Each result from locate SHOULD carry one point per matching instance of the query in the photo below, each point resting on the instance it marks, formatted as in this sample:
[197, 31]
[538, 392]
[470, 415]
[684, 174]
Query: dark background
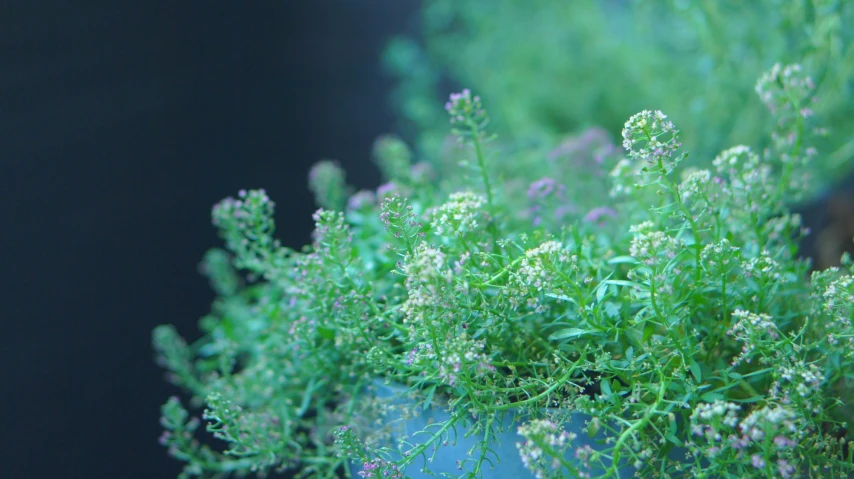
[122, 123]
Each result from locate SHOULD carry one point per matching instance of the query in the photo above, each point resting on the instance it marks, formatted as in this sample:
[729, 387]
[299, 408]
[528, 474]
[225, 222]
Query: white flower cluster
[749, 329]
[458, 216]
[719, 425]
[425, 274]
[719, 257]
[749, 182]
[728, 161]
[782, 85]
[462, 355]
[768, 419]
[694, 183]
[763, 268]
[838, 299]
[623, 177]
[705, 412]
[542, 432]
[538, 270]
[650, 137]
[711, 420]
[804, 379]
[648, 244]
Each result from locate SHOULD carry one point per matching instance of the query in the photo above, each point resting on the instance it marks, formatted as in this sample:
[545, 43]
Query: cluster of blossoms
[649, 137]
[326, 180]
[349, 444]
[720, 258]
[247, 226]
[538, 270]
[459, 216]
[751, 330]
[393, 157]
[724, 434]
[380, 469]
[428, 278]
[783, 87]
[749, 186]
[539, 434]
[547, 194]
[545, 188]
[362, 200]
[400, 219]
[623, 177]
[694, 184]
[837, 298]
[763, 268]
[596, 215]
[465, 109]
[804, 380]
[650, 245]
[458, 355]
[426, 274]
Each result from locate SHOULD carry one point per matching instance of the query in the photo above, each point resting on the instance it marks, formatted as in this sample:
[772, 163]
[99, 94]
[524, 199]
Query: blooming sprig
[459, 216]
[651, 138]
[752, 331]
[393, 157]
[762, 442]
[326, 180]
[402, 222]
[466, 110]
[786, 88]
[539, 270]
[246, 224]
[543, 435]
[650, 245]
[427, 274]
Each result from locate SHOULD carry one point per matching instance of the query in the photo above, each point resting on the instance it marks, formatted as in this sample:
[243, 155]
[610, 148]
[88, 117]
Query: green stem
[560, 382]
[481, 161]
[637, 425]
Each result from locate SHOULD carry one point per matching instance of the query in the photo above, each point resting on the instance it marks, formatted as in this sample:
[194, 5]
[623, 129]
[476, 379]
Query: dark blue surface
[122, 123]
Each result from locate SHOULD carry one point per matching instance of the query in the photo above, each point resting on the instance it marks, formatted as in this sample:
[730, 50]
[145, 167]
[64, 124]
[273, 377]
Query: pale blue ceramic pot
[445, 460]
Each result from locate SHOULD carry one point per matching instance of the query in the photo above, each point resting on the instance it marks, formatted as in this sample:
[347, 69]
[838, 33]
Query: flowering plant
[668, 305]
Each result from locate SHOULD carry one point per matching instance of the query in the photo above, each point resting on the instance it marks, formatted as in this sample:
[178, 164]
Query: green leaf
[606, 387]
[306, 398]
[622, 259]
[750, 399]
[696, 370]
[630, 353]
[622, 282]
[612, 310]
[561, 297]
[670, 437]
[600, 292]
[711, 397]
[648, 329]
[428, 396]
[326, 333]
[570, 333]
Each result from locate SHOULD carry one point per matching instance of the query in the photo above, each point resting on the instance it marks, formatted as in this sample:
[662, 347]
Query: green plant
[667, 303]
[549, 68]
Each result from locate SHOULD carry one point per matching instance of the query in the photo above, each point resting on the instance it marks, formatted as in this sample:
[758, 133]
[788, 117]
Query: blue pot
[503, 445]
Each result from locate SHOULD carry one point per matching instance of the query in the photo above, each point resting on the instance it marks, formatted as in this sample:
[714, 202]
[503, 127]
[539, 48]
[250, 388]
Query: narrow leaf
[696, 370]
[606, 387]
[622, 259]
[569, 333]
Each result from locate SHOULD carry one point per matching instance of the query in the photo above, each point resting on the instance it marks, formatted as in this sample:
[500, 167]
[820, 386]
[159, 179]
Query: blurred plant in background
[550, 67]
